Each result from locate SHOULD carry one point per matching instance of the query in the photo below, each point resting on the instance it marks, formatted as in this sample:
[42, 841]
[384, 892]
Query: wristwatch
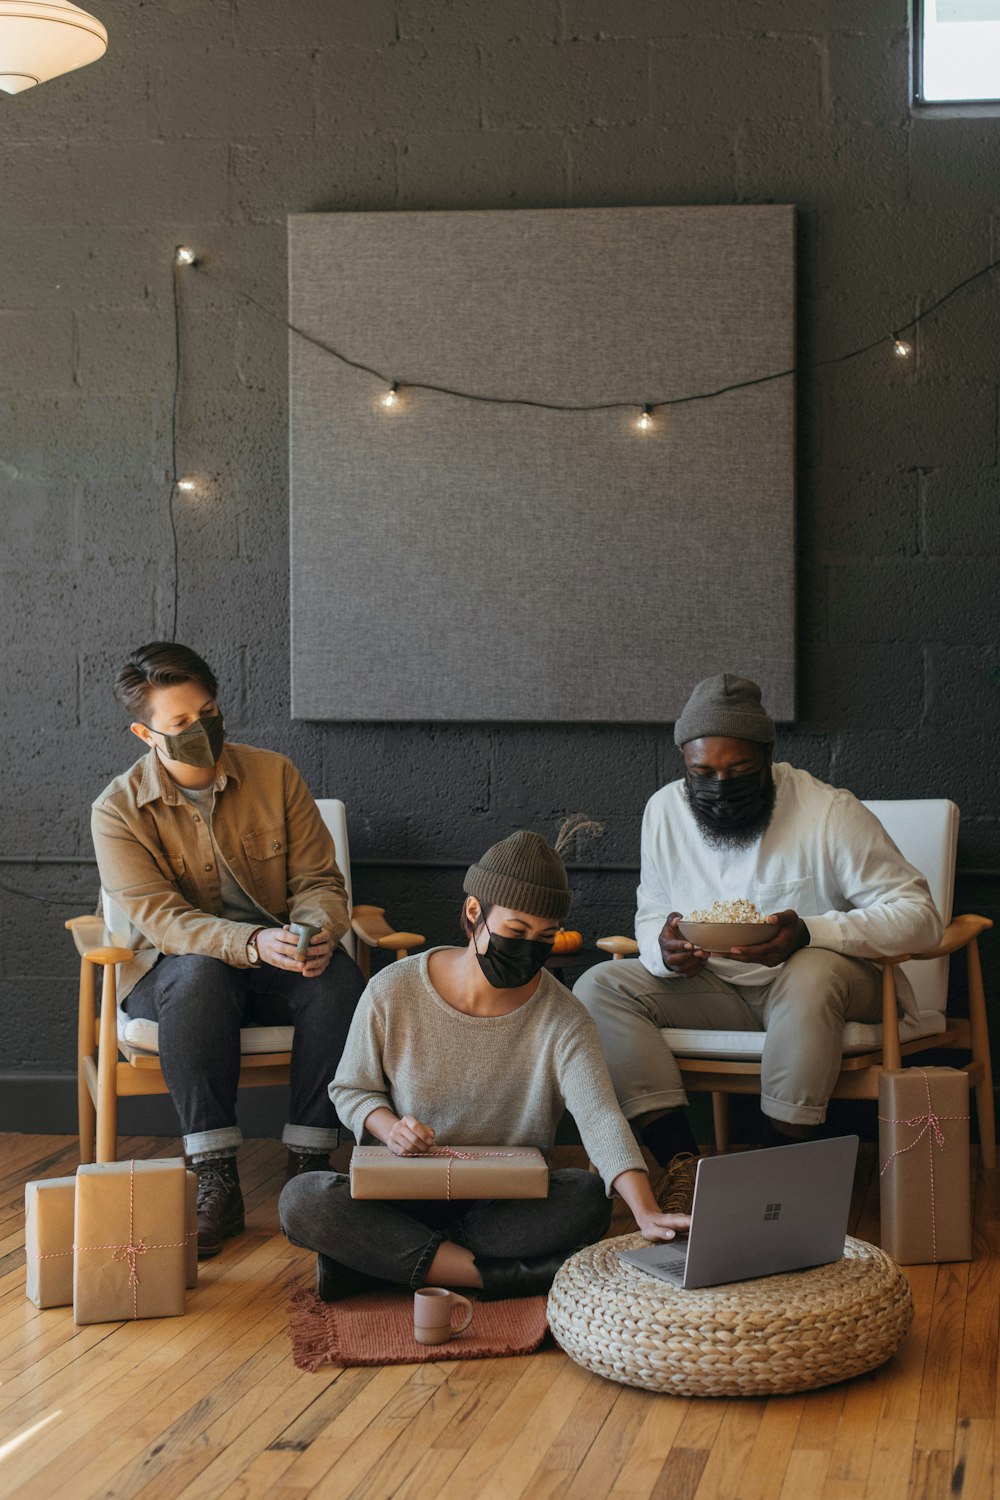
[252, 953]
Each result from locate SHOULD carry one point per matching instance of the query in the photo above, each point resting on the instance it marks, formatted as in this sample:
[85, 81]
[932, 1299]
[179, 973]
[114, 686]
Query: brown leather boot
[220, 1204]
[676, 1193]
[305, 1161]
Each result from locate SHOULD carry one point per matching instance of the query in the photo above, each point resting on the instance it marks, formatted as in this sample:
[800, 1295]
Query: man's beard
[734, 835]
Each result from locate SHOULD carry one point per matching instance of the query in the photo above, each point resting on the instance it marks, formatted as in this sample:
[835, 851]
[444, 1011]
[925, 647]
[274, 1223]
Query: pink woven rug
[377, 1329]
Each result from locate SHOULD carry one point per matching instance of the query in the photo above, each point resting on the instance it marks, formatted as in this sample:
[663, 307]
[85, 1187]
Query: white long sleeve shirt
[823, 855]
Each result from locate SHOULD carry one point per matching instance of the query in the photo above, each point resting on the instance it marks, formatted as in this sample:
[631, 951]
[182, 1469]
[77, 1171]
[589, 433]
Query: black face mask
[727, 802]
[510, 962]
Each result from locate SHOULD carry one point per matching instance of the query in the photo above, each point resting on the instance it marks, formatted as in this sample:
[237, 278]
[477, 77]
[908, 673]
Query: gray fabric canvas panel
[452, 560]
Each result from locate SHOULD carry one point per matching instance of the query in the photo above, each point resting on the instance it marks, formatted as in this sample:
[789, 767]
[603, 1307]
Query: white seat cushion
[748, 1045]
[143, 1036]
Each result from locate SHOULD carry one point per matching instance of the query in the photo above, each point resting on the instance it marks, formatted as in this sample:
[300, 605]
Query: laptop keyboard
[674, 1273]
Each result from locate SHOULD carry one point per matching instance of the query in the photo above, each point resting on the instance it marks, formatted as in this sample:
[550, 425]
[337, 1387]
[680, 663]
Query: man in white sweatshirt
[835, 888]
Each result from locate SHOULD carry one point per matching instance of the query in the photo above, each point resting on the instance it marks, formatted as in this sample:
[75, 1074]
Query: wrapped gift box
[130, 1240]
[191, 1229]
[460, 1172]
[926, 1199]
[48, 1241]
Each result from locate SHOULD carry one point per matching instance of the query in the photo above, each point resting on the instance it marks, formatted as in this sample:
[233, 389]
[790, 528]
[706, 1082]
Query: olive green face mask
[200, 744]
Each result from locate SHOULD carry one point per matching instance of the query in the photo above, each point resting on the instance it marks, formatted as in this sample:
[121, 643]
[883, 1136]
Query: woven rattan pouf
[791, 1332]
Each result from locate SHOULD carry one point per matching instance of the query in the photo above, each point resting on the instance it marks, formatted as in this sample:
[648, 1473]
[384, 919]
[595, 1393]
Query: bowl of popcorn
[725, 925]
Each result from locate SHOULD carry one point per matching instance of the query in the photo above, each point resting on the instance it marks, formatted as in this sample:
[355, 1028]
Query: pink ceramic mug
[432, 1310]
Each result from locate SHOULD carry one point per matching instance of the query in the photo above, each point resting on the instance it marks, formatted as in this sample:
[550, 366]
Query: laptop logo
[772, 1211]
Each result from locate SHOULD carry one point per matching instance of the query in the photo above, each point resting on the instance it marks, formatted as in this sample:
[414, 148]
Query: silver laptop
[759, 1212]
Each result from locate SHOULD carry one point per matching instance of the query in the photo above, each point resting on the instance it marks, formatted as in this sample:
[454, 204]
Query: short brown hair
[160, 664]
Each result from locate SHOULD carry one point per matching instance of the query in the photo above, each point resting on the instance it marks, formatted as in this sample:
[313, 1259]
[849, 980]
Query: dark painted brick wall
[207, 124]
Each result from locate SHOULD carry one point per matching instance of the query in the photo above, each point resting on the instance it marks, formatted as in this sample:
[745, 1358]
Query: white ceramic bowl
[719, 937]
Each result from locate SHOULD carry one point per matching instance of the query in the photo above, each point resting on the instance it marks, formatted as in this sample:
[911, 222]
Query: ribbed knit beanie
[728, 706]
[523, 873]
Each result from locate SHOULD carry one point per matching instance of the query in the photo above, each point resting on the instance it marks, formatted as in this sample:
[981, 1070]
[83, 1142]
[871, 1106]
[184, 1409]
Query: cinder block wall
[207, 124]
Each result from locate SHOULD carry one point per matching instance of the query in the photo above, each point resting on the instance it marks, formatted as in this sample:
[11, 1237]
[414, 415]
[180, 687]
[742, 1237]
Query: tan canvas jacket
[157, 864]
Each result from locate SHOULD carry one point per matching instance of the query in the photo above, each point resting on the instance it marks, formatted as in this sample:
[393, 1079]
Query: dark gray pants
[397, 1241]
[200, 1005]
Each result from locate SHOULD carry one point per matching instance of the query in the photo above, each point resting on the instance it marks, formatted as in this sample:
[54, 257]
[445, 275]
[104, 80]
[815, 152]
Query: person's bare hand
[663, 1226]
[790, 934]
[409, 1138]
[276, 946]
[680, 956]
[319, 955]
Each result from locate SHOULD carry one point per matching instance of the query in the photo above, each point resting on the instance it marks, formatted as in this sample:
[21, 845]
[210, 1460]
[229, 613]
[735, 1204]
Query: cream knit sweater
[481, 1080]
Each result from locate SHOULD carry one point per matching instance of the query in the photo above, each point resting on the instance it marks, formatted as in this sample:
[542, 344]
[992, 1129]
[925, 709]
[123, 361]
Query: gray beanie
[728, 706]
[523, 873]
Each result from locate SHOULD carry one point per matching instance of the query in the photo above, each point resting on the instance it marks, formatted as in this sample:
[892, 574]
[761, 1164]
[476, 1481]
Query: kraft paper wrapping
[130, 1239]
[924, 1158]
[460, 1172]
[191, 1229]
[48, 1241]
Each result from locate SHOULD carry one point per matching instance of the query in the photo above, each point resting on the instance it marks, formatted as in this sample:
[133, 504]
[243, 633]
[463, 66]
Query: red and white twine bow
[930, 1126]
[453, 1154]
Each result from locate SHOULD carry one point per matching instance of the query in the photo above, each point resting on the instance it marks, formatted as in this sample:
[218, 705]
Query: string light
[901, 349]
[187, 485]
[185, 256]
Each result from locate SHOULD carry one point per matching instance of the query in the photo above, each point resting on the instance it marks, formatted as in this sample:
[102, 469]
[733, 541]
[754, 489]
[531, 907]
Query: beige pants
[802, 1010]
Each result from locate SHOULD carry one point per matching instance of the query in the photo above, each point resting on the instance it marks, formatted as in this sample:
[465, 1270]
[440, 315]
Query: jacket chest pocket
[266, 850]
[265, 844]
[174, 866]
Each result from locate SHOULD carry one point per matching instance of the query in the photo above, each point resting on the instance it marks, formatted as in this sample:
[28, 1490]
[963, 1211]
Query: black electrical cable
[173, 447]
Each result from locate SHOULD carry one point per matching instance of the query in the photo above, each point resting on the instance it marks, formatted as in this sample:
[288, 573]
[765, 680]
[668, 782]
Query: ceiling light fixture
[40, 39]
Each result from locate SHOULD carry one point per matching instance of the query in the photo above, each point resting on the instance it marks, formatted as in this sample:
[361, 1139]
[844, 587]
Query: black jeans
[200, 1005]
[398, 1241]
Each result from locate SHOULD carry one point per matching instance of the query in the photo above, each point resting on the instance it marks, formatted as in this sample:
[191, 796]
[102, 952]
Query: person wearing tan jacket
[209, 850]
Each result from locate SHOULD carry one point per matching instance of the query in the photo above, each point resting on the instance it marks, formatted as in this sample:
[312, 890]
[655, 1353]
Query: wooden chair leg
[86, 1113]
[107, 1071]
[980, 1037]
[720, 1121]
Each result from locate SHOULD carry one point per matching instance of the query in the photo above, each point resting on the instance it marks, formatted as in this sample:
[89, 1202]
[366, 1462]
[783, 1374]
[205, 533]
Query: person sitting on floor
[475, 1046]
[838, 892]
[210, 849]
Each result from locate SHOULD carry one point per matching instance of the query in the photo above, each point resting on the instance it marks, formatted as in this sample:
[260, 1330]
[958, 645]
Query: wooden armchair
[723, 1063]
[117, 1054]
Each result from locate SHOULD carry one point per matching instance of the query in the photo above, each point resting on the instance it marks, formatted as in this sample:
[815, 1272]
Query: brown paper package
[925, 1183]
[48, 1241]
[488, 1172]
[191, 1229]
[141, 1204]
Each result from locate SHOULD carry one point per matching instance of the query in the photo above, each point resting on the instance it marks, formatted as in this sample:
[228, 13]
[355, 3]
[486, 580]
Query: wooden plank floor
[210, 1405]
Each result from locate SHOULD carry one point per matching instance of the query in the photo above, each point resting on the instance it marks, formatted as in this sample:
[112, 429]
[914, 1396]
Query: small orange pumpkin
[567, 942]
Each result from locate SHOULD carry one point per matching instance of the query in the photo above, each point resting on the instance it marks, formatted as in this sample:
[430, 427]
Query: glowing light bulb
[185, 256]
[391, 397]
[645, 422]
[901, 348]
[187, 485]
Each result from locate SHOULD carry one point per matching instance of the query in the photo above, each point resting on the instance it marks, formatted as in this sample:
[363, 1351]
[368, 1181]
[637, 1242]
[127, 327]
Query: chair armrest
[620, 947]
[95, 943]
[959, 932]
[369, 924]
